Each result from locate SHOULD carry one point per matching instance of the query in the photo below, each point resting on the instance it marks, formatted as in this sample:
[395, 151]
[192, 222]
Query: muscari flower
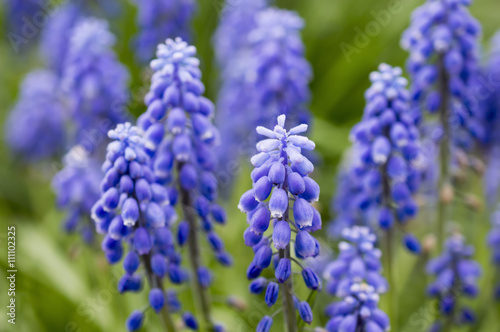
[54, 43]
[357, 311]
[95, 82]
[384, 172]
[456, 275]
[180, 137]
[282, 188]
[236, 102]
[136, 212]
[35, 128]
[358, 261]
[77, 189]
[266, 75]
[443, 44]
[158, 20]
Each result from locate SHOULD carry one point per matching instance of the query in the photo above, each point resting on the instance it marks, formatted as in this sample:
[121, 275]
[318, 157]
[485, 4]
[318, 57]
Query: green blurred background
[63, 285]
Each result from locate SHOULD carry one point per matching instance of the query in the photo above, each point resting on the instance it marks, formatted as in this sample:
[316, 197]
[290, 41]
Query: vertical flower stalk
[442, 41]
[456, 277]
[134, 211]
[158, 20]
[180, 138]
[281, 184]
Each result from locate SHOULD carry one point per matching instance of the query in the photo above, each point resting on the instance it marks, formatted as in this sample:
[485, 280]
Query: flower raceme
[456, 277]
[443, 44]
[180, 138]
[282, 189]
[136, 212]
[94, 80]
[386, 152]
[355, 277]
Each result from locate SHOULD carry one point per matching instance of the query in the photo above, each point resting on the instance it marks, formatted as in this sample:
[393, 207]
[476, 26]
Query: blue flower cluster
[157, 20]
[21, 17]
[54, 43]
[443, 44]
[281, 183]
[282, 73]
[77, 190]
[264, 75]
[456, 277]
[236, 105]
[134, 211]
[95, 82]
[494, 244]
[385, 170]
[180, 136]
[357, 311]
[358, 261]
[35, 128]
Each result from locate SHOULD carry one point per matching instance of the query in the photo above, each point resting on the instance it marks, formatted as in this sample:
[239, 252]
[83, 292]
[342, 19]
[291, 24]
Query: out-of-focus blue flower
[35, 129]
[443, 44]
[236, 102]
[134, 211]
[382, 174]
[456, 277]
[358, 261]
[77, 189]
[95, 82]
[54, 44]
[265, 74]
[281, 188]
[357, 311]
[159, 20]
[22, 21]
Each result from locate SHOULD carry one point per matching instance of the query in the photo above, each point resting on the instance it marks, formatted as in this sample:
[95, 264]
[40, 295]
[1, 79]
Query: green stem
[287, 293]
[195, 257]
[444, 150]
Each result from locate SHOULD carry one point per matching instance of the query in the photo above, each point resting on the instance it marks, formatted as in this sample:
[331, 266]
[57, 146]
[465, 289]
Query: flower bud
[156, 299]
[260, 220]
[263, 257]
[262, 189]
[305, 312]
[278, 204]
[272, 292]
[306, 245]
[296, 183]
[258, 285]
[281, 234]
[303, 212]
[283, 270]
[265, 324]
[277, 173]
[142, 242]
[135, 320]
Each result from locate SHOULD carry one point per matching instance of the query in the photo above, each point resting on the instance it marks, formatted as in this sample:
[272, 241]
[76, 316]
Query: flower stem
[195, 257]
[444, 151]
[287, 291]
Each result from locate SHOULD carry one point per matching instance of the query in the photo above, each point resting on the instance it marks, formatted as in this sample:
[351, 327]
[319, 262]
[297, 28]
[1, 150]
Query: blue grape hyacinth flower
[180, 138]
[135, 213]
[443, 44]
[357, 311]
[280, 205]
[158, 20]
[77, 189]
[358, 261]
[95, 82]
[35, 128]
[264, 75]
[456, 275]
